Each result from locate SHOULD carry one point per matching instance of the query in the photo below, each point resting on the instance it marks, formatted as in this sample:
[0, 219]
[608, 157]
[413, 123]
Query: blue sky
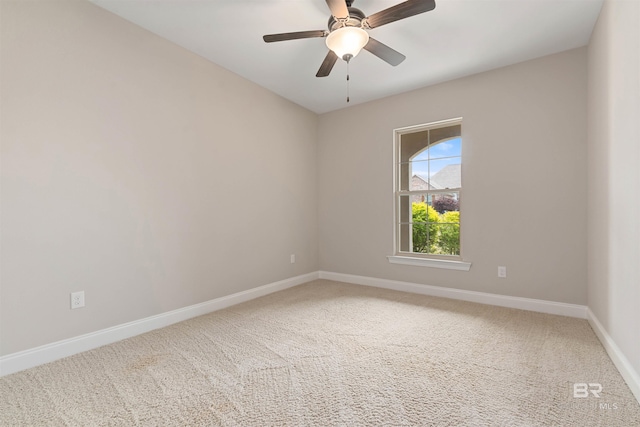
[435, 158]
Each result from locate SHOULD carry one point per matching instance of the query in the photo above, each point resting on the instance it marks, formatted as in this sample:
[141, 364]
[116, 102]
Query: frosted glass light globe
[347, 41]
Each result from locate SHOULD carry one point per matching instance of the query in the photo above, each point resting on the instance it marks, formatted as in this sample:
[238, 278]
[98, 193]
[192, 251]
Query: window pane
[423, 237]
[424, 232]
[445, 173]
[419, 166]
[447, 148]
[423, 229]
[419, 181]
[421, 156]
[448, 238]
[418, 198]
[446, 202]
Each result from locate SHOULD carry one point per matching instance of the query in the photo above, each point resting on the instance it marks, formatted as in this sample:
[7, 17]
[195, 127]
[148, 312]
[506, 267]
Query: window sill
[430, 262]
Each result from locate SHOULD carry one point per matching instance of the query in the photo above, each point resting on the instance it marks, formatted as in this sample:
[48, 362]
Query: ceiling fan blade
[327, 64]
[270, 38]
[384, 52]
[338, 8]
[400, 11]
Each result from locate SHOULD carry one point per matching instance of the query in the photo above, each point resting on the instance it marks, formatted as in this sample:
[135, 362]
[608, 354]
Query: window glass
[428, 193]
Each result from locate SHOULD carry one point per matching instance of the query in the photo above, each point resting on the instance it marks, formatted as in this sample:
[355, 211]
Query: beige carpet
[332, 354]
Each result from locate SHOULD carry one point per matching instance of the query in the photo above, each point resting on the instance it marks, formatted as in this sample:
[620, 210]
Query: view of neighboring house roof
[447, 177]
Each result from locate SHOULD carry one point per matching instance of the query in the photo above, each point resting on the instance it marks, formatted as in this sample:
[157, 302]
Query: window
[428, 188]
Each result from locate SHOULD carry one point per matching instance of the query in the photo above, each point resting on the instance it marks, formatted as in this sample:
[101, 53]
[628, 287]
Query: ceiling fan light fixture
[347, 42]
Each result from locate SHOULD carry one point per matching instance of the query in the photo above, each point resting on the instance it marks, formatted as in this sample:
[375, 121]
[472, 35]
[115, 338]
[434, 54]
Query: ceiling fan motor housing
[354, 20]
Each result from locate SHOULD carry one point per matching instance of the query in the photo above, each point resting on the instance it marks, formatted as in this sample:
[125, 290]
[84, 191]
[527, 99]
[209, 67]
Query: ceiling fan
[347, 33]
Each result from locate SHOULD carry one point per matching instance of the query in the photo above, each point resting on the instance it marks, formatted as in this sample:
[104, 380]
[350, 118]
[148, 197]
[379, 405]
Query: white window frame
[452, 262]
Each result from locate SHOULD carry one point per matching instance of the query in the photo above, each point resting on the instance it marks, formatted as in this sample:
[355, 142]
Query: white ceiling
[458, 38]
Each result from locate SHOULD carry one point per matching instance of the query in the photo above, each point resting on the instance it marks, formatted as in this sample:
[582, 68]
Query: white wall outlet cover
[502, 272]
[77, 299]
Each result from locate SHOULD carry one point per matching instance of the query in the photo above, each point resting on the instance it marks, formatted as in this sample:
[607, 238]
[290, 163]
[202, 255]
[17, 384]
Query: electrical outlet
[502, 272]
[293, 258]
[77, 299]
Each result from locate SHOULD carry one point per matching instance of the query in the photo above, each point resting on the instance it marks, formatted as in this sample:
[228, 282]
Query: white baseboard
[542, 306]
[48, 353]
[629, 374]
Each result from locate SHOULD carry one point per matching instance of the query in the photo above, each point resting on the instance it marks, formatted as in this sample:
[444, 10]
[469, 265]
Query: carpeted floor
[333, 354]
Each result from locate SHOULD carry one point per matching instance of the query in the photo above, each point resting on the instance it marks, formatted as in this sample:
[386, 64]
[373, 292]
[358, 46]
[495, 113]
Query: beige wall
[140, 173]
[524, 179]
[614, 175]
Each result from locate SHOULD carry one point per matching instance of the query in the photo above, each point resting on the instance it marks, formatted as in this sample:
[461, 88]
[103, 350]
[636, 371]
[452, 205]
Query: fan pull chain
[347, 81]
